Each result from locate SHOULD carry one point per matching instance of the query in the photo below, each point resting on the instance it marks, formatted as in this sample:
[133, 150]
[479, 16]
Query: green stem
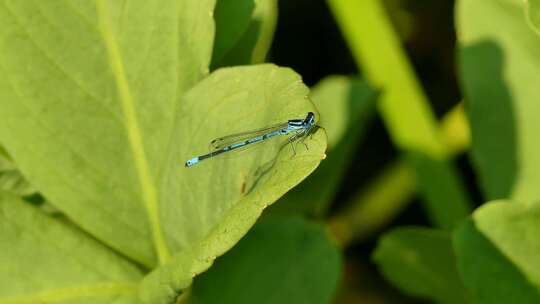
[378, 53]
[403, 106]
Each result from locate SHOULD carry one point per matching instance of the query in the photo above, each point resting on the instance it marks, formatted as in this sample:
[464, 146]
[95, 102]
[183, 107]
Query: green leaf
[445, 197]
[346, 106]
[11, 178]
[500, 68]
[232, 20]
[421, 262]
[497, 252]
[96, 115]
[88, 92]
[532, 10]
[279, 261]
[244, 31]
[43, 260]
[221, 198]
[263, 26]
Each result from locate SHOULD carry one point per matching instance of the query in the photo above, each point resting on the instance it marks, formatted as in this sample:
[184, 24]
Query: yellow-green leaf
[497, 251]
[88, 91]
[210, 206]
[44, 260]
[500, 69]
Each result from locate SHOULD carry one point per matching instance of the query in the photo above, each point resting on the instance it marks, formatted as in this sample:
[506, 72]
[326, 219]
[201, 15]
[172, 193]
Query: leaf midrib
[148, 187]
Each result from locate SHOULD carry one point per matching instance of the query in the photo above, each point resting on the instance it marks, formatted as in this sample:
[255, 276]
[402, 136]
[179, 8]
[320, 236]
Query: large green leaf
[346, 106]
[497, 252]
[244, 31]
[221, 198]
[43, 260]
[500, 69]
[94, 115]
[421, 262]
[88, 92]
[279, 261]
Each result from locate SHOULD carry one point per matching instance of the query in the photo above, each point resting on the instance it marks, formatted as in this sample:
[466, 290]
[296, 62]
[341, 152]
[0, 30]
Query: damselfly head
[310, 119]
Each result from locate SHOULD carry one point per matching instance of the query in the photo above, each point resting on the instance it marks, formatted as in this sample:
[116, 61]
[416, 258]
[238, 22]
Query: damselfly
[298, 128]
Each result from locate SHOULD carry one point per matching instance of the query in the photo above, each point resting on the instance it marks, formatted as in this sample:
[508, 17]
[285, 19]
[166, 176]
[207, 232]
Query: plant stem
[403, 106]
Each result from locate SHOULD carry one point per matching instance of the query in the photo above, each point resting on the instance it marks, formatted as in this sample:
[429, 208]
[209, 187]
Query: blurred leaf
[532, 9]
[232, 19]
[221, 198]
[11, 179]
[244, 31]
[264, 25]
[44, 261]
[279, 261]
[346, 105]
[421, 263]
[500, 69]
[497, 251]
[441, 190]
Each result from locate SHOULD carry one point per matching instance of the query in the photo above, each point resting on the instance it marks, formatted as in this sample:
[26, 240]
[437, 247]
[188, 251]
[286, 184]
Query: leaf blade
[285, 253]
[223, 197]
[67, 106]
[496, 251]
[59, 269]
[495, 40]
[421, 262]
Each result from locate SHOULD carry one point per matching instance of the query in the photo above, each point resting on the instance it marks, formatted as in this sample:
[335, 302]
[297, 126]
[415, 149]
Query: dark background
[308, 40]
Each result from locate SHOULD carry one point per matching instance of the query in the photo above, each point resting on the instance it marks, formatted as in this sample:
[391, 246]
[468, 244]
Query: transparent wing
[228, 140]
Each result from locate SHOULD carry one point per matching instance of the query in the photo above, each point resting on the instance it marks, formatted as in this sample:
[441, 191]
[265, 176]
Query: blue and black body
[299, 128]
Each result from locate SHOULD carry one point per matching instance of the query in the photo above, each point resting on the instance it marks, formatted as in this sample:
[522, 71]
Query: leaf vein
[148, 188]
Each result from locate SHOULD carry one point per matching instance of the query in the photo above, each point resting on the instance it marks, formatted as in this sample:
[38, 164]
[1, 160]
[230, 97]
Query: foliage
[102, 102]
[495, 249]
[284, 253]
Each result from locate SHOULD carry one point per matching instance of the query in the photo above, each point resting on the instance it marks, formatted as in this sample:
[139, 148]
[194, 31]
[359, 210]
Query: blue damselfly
[298, 128]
